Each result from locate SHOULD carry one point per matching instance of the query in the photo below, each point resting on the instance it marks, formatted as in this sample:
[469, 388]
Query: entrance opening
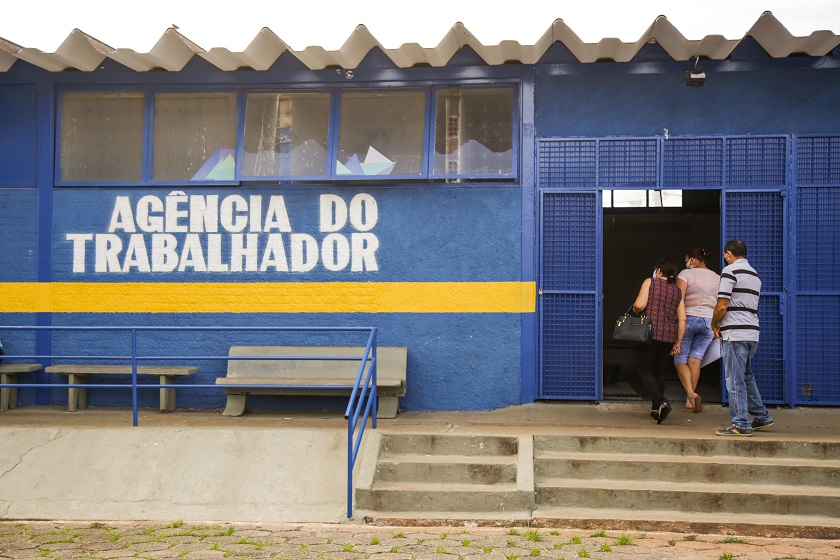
[635, 238]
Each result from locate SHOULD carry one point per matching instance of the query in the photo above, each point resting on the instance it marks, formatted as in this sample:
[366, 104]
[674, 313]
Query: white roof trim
[173, 51]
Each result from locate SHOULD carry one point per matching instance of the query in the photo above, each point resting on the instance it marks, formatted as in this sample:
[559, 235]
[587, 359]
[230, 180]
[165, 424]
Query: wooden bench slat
[303, 381]
[19, 368]
[84, 369]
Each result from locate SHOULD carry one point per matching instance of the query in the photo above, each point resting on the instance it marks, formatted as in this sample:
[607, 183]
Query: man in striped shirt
[735, 321]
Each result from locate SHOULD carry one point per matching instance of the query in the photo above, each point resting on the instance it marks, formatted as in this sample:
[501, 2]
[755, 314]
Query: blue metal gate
[569, 342]
[816, 299]
[752, 173]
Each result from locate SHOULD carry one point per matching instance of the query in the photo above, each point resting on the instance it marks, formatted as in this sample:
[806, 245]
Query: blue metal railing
[361, 406]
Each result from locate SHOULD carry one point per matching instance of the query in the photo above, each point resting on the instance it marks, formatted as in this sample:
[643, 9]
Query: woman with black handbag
[661, 301]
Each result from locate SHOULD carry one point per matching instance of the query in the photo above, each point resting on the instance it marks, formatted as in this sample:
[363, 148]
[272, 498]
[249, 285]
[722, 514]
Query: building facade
[490, 208]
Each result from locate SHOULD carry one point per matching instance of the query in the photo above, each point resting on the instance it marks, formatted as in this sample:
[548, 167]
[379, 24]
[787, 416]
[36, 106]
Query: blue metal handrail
[361, 406]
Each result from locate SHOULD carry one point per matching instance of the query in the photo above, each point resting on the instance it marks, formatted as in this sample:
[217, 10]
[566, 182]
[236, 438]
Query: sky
[138, 25]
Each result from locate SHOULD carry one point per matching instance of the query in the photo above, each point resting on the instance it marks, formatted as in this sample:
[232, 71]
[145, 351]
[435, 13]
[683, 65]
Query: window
[194, 137]
[381, 133]
[474, 132]
[642, 199]
[154, 137]
[286, 135]
[101, 137]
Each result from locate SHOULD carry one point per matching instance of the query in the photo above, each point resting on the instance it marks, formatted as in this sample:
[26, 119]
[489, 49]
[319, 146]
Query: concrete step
[439, 445]
[462, 469]
[750, 524]
[757, 446]
[716, 469]
[435, 496]
[737, 497]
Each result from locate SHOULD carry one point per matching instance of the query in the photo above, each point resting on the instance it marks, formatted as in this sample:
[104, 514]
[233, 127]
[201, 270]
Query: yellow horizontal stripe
[269, 297]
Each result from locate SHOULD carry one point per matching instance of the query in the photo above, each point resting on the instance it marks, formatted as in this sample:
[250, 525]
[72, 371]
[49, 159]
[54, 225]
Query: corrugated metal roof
[173, 51]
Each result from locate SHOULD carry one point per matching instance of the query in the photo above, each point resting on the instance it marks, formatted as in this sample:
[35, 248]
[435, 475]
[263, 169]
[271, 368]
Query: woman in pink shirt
[699, 287]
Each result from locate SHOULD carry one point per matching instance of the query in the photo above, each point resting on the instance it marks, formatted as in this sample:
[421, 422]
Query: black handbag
[633, 328]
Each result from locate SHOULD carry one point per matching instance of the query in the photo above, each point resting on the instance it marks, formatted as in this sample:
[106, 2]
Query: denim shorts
[698, 335]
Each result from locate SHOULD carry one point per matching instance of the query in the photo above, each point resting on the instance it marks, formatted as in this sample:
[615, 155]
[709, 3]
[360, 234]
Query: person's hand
[716, 330]
[676, 349]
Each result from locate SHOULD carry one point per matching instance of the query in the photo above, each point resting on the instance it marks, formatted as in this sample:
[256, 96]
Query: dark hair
[737, 247]
[700, 254]
[668, 269]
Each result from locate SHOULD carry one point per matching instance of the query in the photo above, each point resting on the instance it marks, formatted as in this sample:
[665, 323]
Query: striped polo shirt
[740, 284]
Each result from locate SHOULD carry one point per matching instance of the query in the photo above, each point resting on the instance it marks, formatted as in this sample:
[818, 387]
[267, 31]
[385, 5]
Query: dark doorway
[634, 240]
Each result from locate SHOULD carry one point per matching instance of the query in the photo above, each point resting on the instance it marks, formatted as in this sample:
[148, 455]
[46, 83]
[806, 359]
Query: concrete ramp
[190, 474]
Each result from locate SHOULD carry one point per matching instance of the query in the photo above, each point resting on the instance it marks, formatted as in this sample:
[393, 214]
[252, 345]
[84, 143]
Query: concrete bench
[78, 374]
[8, 375]
[303, 377]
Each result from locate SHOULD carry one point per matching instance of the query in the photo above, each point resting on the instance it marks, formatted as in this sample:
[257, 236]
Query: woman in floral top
[662, 302]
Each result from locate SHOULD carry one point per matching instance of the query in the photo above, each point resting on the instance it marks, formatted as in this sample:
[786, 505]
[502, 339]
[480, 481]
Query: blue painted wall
[771, 101]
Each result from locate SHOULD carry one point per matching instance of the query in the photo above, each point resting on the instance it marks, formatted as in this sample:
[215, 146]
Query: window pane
[665, 198]
[629, 199]
[474, 132]
[195, 137]
[381, 133]
[286, 135]
[101, 137]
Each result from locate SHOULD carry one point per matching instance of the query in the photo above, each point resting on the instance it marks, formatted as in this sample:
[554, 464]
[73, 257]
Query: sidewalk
[111, 540]
[227, 477]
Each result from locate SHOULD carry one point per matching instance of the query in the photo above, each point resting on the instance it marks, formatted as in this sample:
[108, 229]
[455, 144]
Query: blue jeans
[744, 398]
[698, 335]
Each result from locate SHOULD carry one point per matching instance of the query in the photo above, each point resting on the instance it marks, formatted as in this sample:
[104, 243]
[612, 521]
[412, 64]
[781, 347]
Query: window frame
[427, 174]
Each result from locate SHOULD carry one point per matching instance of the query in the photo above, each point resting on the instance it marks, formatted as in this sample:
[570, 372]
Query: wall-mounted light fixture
[695, 76]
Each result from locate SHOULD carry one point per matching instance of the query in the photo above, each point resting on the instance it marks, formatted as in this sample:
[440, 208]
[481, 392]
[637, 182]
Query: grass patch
[183, 553]
[440, 550]
[605, 548]
[399, 535]
[725, 556]
[394, 549]
[534, 536]
[600, 533]
[672, 542]
[487, 549]
[514, 533]
[576, 540]
[534, 552]
[558, 545]
[374, 540]
[583, 553]
[348, 548]
[733, 540]
[690, 538]
[465, 542]
[511, 556]
[624, 540]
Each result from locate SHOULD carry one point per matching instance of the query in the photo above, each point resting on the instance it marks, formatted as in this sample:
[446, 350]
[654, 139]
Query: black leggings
[654, 360]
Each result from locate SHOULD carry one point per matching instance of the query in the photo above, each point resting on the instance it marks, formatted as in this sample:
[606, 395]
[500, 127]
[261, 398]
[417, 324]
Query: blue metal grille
[567, 164]
[818, 239]
[692, 162]
[568, 346]
[769, 364]
[568, 351]
[817, 350]
[818, 160]
[758, 218]
[756, 161]
[568, 242]
[627, 163]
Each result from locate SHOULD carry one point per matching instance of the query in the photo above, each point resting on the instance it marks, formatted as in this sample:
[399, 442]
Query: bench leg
[167, 396]
[8, 396]
[76, 398]
[387, 407]
[235, 405]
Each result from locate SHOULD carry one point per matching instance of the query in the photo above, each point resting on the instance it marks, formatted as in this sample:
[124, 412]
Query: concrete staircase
[447, 477]
[748, 486]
